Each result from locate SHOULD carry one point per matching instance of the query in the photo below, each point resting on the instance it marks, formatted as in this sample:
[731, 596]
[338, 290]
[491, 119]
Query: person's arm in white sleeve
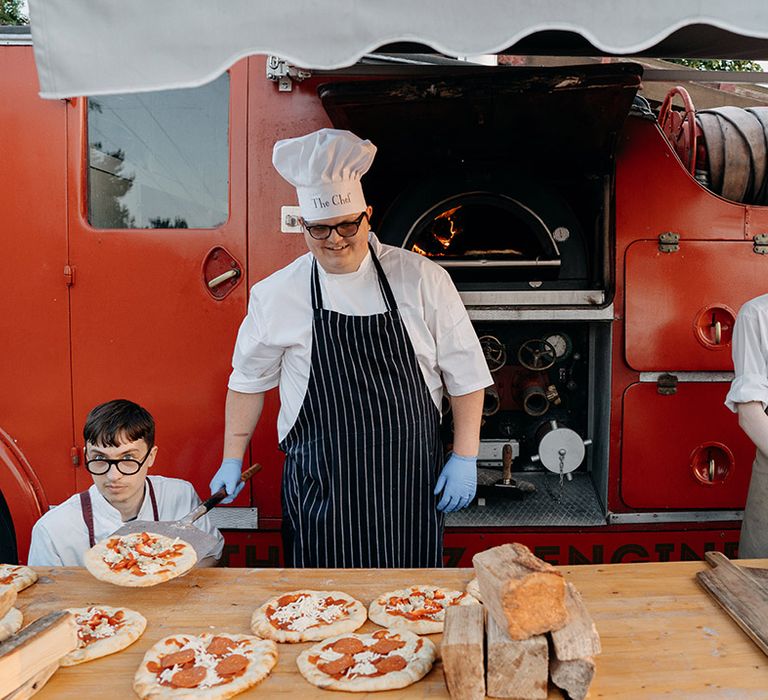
[750, 360]
[459, 355]
[754, 422]
[256, 364]
[42, 550]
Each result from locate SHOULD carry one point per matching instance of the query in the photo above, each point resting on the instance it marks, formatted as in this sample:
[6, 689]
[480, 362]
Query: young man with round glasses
[362, 338]
[119, 451]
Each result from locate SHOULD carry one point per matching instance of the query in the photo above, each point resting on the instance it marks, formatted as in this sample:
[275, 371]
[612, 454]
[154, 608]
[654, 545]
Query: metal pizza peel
[202, 542]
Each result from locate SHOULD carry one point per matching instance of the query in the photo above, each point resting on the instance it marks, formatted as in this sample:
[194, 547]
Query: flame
[445, 241]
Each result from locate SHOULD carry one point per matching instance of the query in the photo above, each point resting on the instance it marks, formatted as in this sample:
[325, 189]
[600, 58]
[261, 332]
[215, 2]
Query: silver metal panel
[576, 505]
[554, 297]
[689, 376]
[513, 313]
[234, 518]
[15, 39]
[683, 516]
[483, 262]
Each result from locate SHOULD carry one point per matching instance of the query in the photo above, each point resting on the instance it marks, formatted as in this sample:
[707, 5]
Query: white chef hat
[325, 167]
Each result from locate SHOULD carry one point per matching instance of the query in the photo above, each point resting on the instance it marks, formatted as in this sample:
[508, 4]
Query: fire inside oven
[486, 230]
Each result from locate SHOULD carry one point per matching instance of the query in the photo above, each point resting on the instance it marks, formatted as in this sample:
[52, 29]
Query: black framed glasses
[125, 465]
[346, 229]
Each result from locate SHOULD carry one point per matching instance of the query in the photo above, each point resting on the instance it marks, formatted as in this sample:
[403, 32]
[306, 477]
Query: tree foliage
[11, 13]
[717, 64]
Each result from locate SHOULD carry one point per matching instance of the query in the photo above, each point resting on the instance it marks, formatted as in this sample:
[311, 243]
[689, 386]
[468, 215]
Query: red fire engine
[602, 277]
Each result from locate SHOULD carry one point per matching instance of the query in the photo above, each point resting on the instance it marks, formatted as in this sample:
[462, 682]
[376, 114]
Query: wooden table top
[662, 635]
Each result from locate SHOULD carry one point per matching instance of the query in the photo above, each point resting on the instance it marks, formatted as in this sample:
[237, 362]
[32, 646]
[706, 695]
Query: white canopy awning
[84, 47]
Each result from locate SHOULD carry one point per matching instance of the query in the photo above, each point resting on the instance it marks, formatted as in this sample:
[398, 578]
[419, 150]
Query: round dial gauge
[562, 345]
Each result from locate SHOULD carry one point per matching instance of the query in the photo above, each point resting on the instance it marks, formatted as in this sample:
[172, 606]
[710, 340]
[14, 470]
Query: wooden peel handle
[219, 496]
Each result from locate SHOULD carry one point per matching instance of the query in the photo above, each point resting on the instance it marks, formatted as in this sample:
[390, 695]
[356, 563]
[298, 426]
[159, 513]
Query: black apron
[87, 509]
[363, 455]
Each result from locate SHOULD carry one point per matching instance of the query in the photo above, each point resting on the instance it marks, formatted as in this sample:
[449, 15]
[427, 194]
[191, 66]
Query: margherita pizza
[384, 660]
[419, 609]
[17, 576]
[139, 559]
[102, 630]
[307, 616]
[209, 666]
[10, 623]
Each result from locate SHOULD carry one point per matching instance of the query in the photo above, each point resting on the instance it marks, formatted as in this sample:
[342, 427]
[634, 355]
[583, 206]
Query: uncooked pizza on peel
[208, 666]
[307, 616]
[383, 660]
[103, 630]
[139, 559]
[418, 609]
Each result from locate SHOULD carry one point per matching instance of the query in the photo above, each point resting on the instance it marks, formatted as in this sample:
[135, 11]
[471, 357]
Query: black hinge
[69, 275]
[760, 244]
[669, 242]
[666, 384]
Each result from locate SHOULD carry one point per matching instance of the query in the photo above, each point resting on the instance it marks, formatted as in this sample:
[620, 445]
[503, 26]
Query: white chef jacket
[60, 537]
[274, 344]
[750, 355]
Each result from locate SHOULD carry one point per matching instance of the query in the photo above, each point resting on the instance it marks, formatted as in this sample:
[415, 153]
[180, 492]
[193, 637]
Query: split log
[524, 595]
[578, 639]
[462, 652]
[516, 669]
[573, 677]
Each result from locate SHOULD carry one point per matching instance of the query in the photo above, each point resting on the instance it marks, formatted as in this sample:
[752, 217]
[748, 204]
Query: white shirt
[274, 344]
[750, 355]
[60, 537]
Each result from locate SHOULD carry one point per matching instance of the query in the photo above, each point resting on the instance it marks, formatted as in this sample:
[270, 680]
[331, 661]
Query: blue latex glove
[459, 477]
[229, 477]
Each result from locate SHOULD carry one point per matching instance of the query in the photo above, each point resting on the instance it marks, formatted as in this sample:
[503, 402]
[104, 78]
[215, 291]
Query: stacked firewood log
[537, 628]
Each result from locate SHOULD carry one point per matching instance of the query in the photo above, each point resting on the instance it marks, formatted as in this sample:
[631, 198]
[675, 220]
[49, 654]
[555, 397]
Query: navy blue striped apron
[363, 456]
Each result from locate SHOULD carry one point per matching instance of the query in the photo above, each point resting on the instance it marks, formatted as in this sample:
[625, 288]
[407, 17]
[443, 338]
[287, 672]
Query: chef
[362, 339]
[120, 449]
[748, 396]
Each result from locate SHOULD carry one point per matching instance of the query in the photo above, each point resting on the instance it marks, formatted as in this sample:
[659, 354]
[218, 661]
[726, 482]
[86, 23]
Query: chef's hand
[228, 476]
[458, 482]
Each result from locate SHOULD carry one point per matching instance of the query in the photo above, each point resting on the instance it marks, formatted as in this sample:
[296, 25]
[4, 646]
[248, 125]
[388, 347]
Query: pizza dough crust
[132, 627]
[95, 563]
[419, 654]
[261, 655]
[355, 617]
[20, 576]
[7, 599]
[378, 613]
[10, 623]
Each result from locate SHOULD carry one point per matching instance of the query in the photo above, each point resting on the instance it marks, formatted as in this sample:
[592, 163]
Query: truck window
[159, 159]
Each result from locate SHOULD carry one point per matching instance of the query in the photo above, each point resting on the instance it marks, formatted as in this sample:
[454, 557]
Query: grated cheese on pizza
[96, 624]
[141, 553]
[202, 659]
[306, 611]
[420, 604]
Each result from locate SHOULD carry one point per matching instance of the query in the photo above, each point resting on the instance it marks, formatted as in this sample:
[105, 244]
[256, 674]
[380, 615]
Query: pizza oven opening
[480, 233]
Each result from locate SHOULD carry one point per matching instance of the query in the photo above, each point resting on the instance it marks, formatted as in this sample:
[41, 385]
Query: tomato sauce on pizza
[141, 554]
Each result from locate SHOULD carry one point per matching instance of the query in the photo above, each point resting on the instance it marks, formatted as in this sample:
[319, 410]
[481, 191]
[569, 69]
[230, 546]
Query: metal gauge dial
[562, 345]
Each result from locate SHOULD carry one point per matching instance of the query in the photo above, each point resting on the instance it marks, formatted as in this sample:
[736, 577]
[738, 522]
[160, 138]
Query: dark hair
[113, 419]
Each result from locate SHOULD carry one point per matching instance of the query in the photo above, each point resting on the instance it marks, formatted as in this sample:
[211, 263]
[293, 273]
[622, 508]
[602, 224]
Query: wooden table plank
[661, 634]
